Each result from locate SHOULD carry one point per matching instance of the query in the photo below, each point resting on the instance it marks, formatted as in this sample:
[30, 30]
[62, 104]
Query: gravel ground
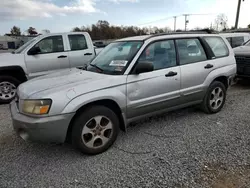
[185, 148]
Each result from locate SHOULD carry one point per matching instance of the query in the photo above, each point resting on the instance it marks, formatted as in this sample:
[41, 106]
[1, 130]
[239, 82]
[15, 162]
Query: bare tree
[45, 31]
[221, 22]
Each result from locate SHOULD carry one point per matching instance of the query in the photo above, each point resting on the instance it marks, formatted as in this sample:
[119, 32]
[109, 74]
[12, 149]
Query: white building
[7, 42]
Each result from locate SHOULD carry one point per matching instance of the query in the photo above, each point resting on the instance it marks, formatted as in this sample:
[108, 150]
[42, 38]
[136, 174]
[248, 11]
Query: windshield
[23, 47]
[115, 58]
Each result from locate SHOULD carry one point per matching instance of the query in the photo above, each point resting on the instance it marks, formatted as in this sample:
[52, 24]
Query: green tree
[76, 29]
[248, 26]
[32, 31]
[15, 31]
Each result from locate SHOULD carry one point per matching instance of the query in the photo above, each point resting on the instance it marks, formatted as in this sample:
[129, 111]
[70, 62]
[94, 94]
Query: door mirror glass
[144, 66]
[35, 50]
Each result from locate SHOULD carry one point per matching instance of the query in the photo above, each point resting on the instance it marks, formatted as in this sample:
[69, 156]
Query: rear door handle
[170, 74]
[88, 54]
[62, 56]
[208, 66]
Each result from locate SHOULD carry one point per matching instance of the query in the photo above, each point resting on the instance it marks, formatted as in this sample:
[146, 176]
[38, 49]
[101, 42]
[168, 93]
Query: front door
[157, 90]
[51, 57]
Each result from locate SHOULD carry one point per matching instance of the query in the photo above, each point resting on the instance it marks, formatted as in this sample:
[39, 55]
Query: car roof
[63, 33]
[234, 34]
[165, 35]
[135, 38]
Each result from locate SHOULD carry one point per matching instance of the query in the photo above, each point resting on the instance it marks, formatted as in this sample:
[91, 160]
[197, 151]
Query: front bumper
[52, 129]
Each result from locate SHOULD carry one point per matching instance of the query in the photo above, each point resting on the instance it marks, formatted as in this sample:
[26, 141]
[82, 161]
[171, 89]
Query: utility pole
[237, 15]
[175, 23]
[186, 21]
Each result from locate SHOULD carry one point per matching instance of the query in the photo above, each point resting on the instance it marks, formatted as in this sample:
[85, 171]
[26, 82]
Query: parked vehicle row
[242, 56]
[130, 79]
[236, 39]
[43, 55]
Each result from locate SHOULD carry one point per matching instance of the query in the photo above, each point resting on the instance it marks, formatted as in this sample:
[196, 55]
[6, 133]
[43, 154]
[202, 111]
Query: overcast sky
[63, 15]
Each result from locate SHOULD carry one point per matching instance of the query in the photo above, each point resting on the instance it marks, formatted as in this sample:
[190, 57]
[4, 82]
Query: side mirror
[144, 66]
[35, 50]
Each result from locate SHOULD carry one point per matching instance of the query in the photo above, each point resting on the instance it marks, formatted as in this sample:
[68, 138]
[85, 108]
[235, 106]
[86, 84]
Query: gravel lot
[185, 148]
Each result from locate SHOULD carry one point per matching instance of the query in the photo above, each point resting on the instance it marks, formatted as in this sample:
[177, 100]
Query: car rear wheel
[8, 88]
[215, 98]
[95, 130]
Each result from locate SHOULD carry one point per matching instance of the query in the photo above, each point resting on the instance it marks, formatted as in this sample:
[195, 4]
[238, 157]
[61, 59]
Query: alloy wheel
[216, 98]
[97, 132]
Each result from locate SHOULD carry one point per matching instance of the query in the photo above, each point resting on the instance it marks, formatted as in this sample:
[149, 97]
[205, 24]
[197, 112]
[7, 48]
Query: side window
[190, 51]
[161, 54]
[237, 41]
[218, 46]
[51, 44]
[77, 42]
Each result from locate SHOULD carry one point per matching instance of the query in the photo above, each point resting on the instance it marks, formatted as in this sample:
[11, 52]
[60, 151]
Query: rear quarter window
[218, 46]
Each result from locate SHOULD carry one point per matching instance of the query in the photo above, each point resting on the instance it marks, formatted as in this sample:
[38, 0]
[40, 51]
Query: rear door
[52, 56]
[157, 90]
[81, 51]
[194, 66]
[197, 62]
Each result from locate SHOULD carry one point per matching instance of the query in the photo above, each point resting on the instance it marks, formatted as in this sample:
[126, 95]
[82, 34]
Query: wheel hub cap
[216, 98]
[7, 90]
[97, 132]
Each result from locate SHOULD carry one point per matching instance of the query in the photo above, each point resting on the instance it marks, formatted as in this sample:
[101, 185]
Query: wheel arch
[109, 103]
[14, 71]
[222, 79]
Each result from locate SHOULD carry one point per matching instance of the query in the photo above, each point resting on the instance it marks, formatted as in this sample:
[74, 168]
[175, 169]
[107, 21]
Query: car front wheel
[95, 130]
[8, 88]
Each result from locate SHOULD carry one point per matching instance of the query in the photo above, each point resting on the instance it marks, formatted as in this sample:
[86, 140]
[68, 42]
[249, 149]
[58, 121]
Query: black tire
[11, 80]
[206, 107]
[82, 120]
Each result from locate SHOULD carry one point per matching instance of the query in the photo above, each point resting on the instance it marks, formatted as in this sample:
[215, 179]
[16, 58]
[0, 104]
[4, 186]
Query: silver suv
[130, 79]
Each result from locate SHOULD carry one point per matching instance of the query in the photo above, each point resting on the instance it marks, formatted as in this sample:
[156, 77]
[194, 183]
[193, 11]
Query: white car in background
[236, 39]
[43, 55]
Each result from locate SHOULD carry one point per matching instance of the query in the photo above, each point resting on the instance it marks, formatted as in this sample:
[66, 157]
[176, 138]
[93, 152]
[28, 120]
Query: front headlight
[37, 107]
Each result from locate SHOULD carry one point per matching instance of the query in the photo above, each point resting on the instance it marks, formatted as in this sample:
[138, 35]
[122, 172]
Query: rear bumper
[51, 129]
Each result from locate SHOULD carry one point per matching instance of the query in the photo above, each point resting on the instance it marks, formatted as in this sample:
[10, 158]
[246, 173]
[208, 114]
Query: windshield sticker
[118, 63]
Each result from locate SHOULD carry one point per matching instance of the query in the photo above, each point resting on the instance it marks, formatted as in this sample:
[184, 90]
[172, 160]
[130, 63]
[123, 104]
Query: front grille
[242, 59]
[243, 65]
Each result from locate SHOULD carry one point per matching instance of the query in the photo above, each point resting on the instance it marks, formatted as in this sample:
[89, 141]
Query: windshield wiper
[93, 65]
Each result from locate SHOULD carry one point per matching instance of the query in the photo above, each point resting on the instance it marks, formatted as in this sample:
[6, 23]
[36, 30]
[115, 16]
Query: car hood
[242, 50]
[62, 80]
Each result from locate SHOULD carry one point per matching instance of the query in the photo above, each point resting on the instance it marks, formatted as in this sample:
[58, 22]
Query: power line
[167, 18]
[175, 17]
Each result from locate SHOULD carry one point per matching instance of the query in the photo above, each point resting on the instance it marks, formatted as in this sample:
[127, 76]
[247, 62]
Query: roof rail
[202, 31]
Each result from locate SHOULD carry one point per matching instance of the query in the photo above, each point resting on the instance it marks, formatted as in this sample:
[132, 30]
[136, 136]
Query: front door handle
[88, 54]
[170, 74]
[62, 56]
[208, 66]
